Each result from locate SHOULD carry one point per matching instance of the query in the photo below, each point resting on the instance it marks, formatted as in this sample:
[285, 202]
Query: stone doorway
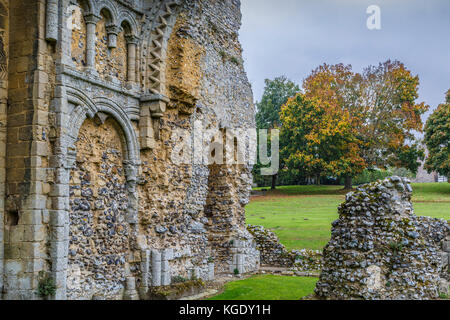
[99, 230]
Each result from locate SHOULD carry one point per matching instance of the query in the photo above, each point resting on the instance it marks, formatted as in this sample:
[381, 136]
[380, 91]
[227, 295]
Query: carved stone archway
[101, 112]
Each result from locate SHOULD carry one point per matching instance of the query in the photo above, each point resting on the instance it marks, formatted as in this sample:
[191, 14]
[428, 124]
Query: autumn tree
[437, 139]
[276, 93]
[381, 107]
[318, 138]
[337, 86]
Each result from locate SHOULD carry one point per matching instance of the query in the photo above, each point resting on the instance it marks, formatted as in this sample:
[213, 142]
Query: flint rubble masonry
[379, 249]
[92, 92]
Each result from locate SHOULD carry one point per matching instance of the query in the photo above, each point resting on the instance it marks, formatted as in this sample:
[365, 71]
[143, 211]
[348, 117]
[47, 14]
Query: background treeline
[349, 128]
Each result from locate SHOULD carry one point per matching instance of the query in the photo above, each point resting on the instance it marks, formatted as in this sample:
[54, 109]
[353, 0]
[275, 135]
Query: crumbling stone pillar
[51, 30]
[112, 31]
[166, 255]
[145, 273]
[130, 291]
[380, 250]
[132, 42]
[156, 268]
[91, 23]
[153, 108]
[160, 267]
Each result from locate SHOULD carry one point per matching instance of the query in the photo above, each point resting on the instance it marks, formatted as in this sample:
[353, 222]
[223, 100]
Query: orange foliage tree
[372, 117]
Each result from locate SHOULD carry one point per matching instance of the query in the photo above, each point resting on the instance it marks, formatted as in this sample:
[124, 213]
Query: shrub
[223, 55]
[371, 175]
[179, 279]
[235, 60]
[236, 271]
[397, 247]
[46, 286]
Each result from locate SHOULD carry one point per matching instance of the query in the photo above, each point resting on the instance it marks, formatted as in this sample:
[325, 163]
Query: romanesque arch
[99, 236]
[101, 155]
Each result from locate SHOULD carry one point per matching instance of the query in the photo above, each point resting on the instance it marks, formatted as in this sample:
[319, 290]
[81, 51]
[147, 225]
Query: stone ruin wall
[93, 198]
[379, 249]
[274, 254]
[4, 55]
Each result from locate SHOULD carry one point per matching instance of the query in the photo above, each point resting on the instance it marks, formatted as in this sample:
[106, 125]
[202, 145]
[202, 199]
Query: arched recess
[111, 47]
[109, 7]
[78, 31]
[99, 232]
[124, 17]
[98, 168]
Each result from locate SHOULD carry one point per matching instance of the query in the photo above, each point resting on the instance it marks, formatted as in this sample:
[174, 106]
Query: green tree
[437, 139]
[318, 138]
[276, 93]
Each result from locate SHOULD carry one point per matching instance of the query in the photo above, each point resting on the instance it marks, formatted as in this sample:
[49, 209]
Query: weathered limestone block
[379, 249]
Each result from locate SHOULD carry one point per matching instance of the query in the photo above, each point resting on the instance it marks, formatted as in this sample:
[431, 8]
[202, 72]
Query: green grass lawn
[301, 216]
[268, 287]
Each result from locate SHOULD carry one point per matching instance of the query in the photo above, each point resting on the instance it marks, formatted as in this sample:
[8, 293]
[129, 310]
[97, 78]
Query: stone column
[51, 26]
[131, 169]
[132, 42]
[211, 269]
[59, 218]
[130, 289]
[91, 23]
[156, 268]
[166, 255]
[145, 270]
[112, 31]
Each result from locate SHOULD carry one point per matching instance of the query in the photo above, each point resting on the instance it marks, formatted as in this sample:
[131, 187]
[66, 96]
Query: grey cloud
[292, 37]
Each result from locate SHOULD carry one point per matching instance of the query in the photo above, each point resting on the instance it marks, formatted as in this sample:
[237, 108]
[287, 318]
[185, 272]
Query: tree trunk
[274, 182]
[348, 183]
[318, 180]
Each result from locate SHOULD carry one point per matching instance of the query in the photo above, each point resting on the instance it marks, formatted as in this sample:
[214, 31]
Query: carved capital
[132, 39]
[92, 18]
[113, 29]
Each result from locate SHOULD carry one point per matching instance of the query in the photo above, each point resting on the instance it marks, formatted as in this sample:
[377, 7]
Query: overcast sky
[293, 37]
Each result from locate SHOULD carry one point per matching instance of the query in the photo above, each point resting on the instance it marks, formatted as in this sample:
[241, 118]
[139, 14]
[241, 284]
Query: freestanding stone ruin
[380, 250]
[91, 94]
